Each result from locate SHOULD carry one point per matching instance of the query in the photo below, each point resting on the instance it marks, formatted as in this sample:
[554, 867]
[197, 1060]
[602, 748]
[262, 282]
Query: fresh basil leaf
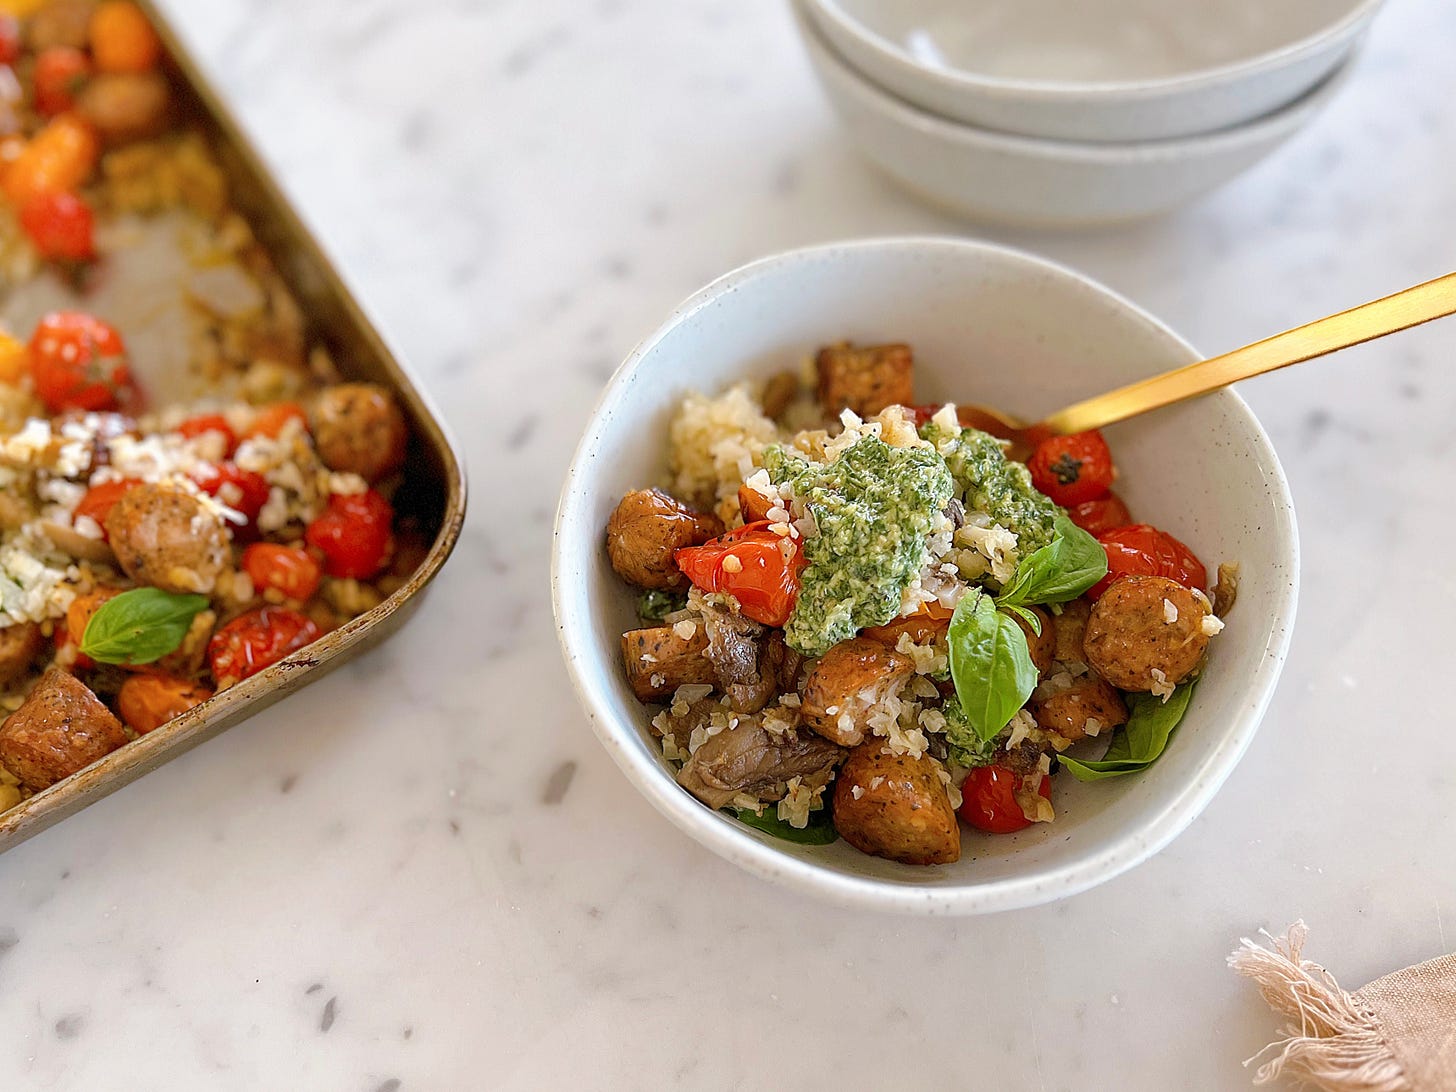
[1060, 571]
[139, 626]
[819, 832]
[1137, 745]
[990, 664]
[655, 605]
[1027, 616]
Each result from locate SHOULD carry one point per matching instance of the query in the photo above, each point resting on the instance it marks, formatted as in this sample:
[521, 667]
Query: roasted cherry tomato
[257, 639]
[79, 613]
[753, 504]
[61, 226]
[1145, 551]
[287, 569]
[122, 40]
[750, 564]
[353, 534]
[194, 427]
[1072, 469]
[271, 419]
[98, 501]
[14, 359]
[1097, 517]
[244, 491]
[79, 362]
[989, 800]
[146, 702]
[59, 75]
[9, 38]
[58, 158]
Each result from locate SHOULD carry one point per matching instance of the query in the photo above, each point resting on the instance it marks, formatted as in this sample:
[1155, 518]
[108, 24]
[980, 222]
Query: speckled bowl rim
[590, 666]
[965, 81]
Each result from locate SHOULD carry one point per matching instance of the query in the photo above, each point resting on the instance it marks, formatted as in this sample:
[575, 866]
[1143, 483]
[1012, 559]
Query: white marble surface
[422, 872]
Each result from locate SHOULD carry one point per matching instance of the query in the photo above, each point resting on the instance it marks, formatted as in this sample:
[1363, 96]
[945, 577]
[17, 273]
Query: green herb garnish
[140, 626]
[819, 832]
[1139, 742]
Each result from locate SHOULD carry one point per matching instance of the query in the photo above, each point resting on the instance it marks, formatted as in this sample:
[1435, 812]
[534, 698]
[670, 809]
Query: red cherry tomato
[9, 39]
[244, 491]
[271, 419]
[194, 427]
[1072, 469]
[61, 226]
[1145, 551]
[99, 499]
[989, 800]
[59, 74]
[79, 362]
[1097, 517]
[749, 564]
[257, 639]
[354, 534]
[287, 569]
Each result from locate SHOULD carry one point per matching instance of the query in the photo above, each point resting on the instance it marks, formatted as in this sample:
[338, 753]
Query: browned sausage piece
[166, 538]
[645, 529]
[126, 106]
[20, 644]
[847, 682]
[1043, 647]
[1069, 628]
[61, 728]
[895, 806]
[1145, 632]
[748, 759]
[778, 393]
[864, 380]
[1068, 712]
[61, 23]
[659, 660]
[358, 428]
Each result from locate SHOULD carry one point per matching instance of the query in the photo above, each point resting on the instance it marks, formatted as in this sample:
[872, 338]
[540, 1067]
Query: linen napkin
[1398, 1034]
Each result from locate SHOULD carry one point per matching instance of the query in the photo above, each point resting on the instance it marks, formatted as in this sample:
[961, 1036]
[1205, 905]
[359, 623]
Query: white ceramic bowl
[1053, 183]
[987, 324]
[1119, 70]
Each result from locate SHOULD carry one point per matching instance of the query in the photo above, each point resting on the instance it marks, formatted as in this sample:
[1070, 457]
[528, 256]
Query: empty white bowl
[1027, 180]
[1116, 70]
[992, 325]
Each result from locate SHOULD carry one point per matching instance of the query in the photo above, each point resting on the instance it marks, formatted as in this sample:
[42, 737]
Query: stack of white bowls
[1073, 112]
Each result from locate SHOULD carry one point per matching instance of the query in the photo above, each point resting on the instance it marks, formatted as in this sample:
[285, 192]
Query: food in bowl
[161, 539]
[862, 619]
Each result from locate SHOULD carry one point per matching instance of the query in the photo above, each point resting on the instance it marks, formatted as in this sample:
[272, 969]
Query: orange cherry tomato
[146, 702]
[121, 38]
[14, 359]
[58, 159]
[194, 427]
[61, 226]
[354, 534]
[1143, 550]
[753, 504]
[1072, 469]
[256, 639]
[272, 419]
[989, 800]
[1097, 517]
[80, 611]
[244, 491]
[59, 74]
[287, 569]
[99, 499]
[79, 362]
[751, 565]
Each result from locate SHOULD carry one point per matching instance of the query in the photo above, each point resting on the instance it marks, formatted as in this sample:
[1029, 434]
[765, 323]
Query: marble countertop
[422, 872]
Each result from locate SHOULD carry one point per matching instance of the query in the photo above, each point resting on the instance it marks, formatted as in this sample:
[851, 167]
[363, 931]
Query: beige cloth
[1415, 1013]
[1398, 1034]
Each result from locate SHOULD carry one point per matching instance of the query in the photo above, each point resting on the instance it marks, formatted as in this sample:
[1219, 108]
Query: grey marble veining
[423, 873]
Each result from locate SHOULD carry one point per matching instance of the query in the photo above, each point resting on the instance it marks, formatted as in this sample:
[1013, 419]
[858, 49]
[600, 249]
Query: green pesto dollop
[964, 746]
[873, 506]
[655, 605]
[990, 483]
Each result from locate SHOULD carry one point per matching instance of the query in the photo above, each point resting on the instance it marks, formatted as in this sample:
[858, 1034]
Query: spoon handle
[1431, 300]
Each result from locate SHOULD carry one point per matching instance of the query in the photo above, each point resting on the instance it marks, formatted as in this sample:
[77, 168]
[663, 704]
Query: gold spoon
[1411, 307]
